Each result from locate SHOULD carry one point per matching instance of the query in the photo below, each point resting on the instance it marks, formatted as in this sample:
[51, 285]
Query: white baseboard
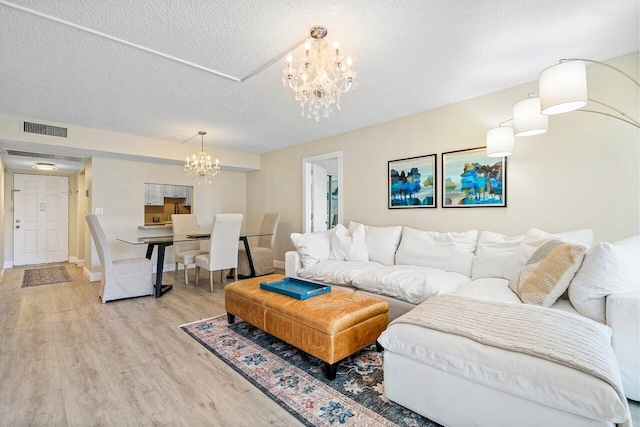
[80, 263]
[1, 275]
[8, 264]
[73, 259]
[93, 277]
[278, 264]
[171, 267]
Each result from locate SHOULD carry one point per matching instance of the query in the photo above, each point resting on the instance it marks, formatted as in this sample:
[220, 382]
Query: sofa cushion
[536, 379]
[548, 273]
[409, 283]
[312, 247]
[335, 272]
[348, 245]
[493, 254]
[447, 251]
[382, 242]
[607, 269]
[489, 289]
[536, 238]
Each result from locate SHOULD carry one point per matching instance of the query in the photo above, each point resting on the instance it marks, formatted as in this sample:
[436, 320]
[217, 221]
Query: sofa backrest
[382, 242]
[446, 251]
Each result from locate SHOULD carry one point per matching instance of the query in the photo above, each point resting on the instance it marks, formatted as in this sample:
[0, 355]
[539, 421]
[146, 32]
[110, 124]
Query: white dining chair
[125, 278]
[186, 252]
[261, 255]
[223, 247]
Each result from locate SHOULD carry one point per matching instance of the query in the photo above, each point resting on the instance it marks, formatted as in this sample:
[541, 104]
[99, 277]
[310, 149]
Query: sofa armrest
[292, 263]
[623, 316]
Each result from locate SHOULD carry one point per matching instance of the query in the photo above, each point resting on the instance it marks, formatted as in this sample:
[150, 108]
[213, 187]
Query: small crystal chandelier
[322, 76]
[200, 166]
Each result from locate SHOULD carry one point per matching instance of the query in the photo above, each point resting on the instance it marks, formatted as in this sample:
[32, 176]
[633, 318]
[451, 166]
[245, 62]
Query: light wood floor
[68, 359]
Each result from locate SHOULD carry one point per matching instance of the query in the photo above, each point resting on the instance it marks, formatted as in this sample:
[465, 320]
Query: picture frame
[412, 182]
[471, 179]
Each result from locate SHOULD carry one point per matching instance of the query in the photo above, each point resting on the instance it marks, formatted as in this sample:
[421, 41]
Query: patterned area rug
[45, 276]
[296, 381]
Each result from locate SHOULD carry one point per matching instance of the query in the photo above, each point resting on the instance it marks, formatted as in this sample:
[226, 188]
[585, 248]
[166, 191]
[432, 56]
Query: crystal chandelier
[321, 77]
[200, 166]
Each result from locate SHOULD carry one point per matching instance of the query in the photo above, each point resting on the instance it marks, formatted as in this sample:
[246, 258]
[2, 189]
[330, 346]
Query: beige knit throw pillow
[548, 272]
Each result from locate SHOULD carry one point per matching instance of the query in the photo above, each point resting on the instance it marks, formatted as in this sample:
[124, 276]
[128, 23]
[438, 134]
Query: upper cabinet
[175, 191]
[187, 199]
[154, 194]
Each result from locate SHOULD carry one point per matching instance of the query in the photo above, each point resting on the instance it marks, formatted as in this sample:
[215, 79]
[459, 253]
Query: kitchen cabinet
[175, 191]
[154, 195]
[187, 199]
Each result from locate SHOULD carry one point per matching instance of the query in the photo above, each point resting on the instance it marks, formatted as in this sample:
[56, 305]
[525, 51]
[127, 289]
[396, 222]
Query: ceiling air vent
[42, 129]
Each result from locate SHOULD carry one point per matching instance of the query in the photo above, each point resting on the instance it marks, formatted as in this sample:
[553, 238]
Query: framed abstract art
[470, 179]
[412, 182]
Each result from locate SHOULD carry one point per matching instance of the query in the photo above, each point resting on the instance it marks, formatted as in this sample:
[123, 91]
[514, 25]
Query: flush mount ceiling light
[45, 166]
[200, 166]
[321, 77]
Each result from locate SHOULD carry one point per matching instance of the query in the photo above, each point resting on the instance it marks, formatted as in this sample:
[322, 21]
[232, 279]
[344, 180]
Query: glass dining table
[163, 241]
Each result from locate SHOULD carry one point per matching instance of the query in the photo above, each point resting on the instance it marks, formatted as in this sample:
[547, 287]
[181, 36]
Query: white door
[40, 219]
[318, 198]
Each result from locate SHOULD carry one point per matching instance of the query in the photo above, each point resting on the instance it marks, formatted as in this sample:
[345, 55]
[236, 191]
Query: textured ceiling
[410, 56]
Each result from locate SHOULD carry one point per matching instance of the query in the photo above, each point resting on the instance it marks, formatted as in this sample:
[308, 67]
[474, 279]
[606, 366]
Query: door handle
[17, 226]
[17, 221]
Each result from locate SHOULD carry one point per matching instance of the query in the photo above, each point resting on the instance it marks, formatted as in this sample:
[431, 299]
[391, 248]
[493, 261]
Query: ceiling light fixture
[321, 77]
[45, 166]
[200, 166]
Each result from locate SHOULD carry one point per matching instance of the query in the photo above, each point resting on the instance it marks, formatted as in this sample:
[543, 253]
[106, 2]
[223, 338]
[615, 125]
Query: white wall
[117, 186]
[582, 173]
[2, 217]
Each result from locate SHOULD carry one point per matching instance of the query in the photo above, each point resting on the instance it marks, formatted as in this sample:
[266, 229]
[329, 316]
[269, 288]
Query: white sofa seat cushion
[410, 283]
[493, 254]
[534, 239]
[489, 289]
[446, 251]
[529, 377]
[382, 242]
[607, 269]
[334, 272]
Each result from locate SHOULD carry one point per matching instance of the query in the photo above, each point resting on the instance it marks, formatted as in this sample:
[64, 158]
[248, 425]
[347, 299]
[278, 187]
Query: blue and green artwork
[412, 182]
[471, 179]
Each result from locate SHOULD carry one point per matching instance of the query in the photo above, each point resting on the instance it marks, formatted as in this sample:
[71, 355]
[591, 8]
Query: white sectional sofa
[444, 376]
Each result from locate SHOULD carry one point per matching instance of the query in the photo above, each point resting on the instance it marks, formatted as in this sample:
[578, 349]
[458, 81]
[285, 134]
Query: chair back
[269, 225]
[185, 224]
[100, 240]
[223, 248]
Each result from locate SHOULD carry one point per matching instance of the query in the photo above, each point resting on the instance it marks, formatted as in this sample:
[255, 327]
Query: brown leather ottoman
[330, 326]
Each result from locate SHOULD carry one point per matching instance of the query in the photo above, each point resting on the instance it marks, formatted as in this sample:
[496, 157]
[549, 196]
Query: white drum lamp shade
[563, 87]
[527, 119]
[500, 141]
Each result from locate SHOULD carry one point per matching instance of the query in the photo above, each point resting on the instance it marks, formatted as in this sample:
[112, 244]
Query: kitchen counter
[156, 226]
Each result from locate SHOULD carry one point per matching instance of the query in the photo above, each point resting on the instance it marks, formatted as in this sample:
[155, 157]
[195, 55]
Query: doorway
[40, 219]
[321, 192]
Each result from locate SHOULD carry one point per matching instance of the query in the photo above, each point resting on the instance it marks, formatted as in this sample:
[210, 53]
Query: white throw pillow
[493, 254]
[536, 238]
[446, 251]
[312, 247]
[347, 246]
[382, 242]
[607, 269]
